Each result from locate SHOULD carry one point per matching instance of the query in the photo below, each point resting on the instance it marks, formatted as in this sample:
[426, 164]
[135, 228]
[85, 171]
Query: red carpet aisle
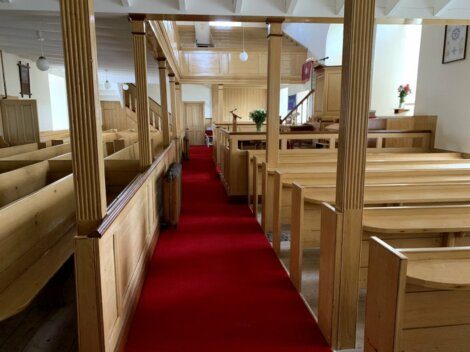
[216, 284]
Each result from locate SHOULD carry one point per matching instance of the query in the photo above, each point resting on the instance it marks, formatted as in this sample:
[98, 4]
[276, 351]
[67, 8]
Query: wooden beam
[291, 6]
[164, 101]
[338, 321]
[391, 6]
[140, 65]
[440, 6]
[174, 111]
[274, 87]
[237, 6]
[80, 59]
[339, 6]
[183, 5]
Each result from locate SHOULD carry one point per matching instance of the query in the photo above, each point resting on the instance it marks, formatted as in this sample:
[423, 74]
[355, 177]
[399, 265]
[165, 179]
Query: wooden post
[164, 102]
[174, 109]
[79, 41]
[355, 102]
[140, 64]
[220, 103]
[180, 108]
[274, 92]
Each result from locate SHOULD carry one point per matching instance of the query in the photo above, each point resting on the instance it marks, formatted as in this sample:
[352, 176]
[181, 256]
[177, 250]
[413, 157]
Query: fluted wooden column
[274, 92]
[174, 109]
[355, 102]
[220, 103]
[79, 39]
[164, 102]
[140, 65]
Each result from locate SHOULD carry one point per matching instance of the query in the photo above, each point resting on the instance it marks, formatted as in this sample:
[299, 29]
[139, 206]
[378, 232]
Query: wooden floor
[49, 324]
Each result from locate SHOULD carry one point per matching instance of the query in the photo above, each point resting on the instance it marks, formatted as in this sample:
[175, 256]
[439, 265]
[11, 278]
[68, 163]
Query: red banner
[307, 71]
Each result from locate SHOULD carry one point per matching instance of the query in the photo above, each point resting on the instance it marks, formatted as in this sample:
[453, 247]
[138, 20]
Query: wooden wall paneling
[140, 65]
[244, 100]
[273, 94]
[20, 121]
[164, 101]
[355, 102]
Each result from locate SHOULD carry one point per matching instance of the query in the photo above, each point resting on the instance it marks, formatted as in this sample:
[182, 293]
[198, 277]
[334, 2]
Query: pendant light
[107, 84]
[42, 63]
[243, 54]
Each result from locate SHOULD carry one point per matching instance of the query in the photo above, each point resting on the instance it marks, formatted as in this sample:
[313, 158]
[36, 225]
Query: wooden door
[19, 121]
[194, 118]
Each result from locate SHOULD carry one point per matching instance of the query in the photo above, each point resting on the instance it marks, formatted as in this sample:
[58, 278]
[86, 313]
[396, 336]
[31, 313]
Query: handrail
[297, 106]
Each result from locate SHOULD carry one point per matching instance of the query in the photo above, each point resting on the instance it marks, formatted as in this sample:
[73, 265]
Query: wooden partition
[110, 263]
[41, 154]
[36, 239]
[19, 121]
[417, 299]
[20, 149]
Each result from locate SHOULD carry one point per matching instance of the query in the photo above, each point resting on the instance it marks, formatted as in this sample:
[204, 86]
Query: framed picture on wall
[292, 102]
[25, 83]
[455, 44]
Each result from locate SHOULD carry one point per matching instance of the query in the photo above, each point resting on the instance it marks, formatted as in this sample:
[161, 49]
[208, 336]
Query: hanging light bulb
[244, 54]
[42, 63]
[125, 87]
[107, 84]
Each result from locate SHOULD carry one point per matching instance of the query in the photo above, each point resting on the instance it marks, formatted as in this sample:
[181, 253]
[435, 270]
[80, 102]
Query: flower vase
[402, 103]
[258, 127]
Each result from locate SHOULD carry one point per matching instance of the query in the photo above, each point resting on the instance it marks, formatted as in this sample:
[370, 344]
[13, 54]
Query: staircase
[301, 112]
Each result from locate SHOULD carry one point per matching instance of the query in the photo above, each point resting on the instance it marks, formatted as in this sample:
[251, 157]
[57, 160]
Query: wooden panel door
[194, 118]
[20, 123]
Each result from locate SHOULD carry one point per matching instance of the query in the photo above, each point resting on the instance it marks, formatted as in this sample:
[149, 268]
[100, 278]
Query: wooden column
[79, 40]
[274, 92]
[174, 109]
[180, 109]
[140, 64]
[355, 102]
[220, 103]
[164, 102]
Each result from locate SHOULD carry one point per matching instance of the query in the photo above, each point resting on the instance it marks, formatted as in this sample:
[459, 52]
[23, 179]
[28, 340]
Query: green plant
[259, 117]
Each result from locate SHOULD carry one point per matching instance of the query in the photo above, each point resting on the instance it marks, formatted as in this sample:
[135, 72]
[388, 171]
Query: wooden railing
[155, 109]
[302, 107]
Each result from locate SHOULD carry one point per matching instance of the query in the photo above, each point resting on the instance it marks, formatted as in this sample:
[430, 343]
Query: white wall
[443, 90]
[396, 59]
[59, 107]
[198, 93]
[39, 87]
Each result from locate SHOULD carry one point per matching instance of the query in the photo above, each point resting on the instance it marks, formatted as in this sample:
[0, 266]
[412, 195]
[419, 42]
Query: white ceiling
[455, 9]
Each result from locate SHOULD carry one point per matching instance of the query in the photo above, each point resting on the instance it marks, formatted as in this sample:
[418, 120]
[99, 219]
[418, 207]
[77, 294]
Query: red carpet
[216, 284]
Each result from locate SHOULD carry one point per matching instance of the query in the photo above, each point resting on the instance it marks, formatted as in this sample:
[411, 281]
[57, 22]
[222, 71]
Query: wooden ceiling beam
[391, 6]
[237, 6]
[291, 6]
[440, 6]
[339, 7]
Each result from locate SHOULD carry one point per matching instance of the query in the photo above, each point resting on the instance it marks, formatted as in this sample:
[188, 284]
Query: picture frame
[25, 82]
[455, 44]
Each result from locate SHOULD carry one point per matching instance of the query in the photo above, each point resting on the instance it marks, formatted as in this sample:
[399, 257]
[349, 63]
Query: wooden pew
[417, 299]
[19, 149]
[306, 156]
[307, 204]
[232, 160]
[255, 185]
[36, 238]
[268, 185]
[401, 227]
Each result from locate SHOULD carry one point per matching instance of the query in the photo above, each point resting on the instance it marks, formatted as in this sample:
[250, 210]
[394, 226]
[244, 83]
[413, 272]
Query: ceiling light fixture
[42, 63]
[244, 54]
